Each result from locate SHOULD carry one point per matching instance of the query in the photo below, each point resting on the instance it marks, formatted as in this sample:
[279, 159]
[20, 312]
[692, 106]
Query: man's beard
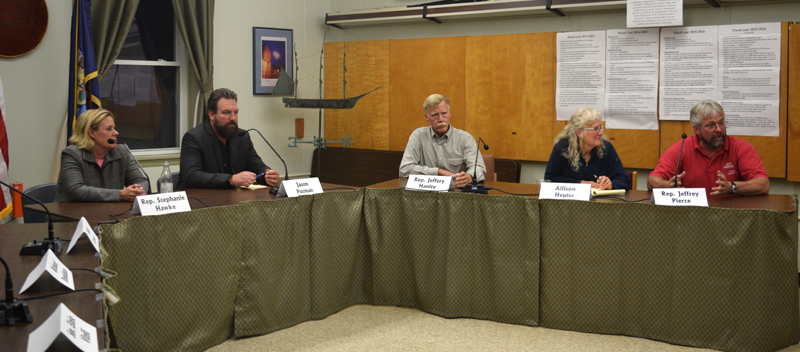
[228, 130]
[714, 143]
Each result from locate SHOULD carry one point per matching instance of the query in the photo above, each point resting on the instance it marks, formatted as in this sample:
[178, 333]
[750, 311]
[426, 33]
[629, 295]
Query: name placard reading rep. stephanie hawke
[428, 183]
[680, 196]
[161, 203]
[569, 191]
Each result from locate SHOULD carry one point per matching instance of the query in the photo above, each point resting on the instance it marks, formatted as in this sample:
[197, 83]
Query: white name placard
[63, 322]
[84, 227]
[161, 203]
[429, 183]
[54, 267]
[680, 196]
[569, 191]
[300, 187]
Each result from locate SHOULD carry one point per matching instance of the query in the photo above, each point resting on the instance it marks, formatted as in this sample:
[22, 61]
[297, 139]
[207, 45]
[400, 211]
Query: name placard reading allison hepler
[428, 183]
[680, 196]
[568, 191]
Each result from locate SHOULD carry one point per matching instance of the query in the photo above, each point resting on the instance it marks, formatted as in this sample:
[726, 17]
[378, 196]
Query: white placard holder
[63, 323]
[565, 191]
[83, 227]
[54, 267]
[300, 187]
[680, 196]
[161, 203]
[429, 183]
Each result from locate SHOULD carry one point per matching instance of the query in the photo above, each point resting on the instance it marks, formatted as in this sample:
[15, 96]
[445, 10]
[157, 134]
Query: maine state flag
[84, 88]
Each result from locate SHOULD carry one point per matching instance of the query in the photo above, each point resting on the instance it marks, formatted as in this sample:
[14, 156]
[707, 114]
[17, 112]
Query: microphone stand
[41, 247]
[474, 187]
[13, 310]
[149, 184]
[273, 190]
[677, 167]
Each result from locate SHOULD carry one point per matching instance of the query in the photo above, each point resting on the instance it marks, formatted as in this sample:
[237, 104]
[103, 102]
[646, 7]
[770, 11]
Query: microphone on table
[273, 190]
[475, 187]
[13, 310]
[41, 247]
[149, 185]
[683, 136]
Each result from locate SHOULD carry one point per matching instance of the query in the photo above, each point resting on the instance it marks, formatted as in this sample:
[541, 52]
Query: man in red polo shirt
[711, 159]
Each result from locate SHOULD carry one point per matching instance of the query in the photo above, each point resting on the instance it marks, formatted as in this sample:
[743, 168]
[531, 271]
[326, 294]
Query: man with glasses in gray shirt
[441, 149]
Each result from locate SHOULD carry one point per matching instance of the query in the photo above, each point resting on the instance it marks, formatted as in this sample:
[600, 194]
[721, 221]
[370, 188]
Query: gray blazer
[82, 180]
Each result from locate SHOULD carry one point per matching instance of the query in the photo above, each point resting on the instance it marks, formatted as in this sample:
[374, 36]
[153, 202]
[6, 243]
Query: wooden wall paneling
[793, 97]
[510, 93]
[419, 68]
[367, 65]
[670, 132]
[638, 149]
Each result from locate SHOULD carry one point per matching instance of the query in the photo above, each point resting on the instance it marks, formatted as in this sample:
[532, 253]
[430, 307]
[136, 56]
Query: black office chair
[175, 176]
[45, 193]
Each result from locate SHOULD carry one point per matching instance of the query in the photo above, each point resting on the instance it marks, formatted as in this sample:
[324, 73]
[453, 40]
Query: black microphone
[274, 190]
[683, 136]
[13, 310]
[51, 242]
[149, 185]
[475, 187]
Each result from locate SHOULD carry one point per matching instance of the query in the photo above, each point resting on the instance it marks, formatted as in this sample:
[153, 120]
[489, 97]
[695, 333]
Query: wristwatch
[734, 189]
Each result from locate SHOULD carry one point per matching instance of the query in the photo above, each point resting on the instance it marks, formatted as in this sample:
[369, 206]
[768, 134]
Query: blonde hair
[433, 100]
[89, 119]
[580, 119]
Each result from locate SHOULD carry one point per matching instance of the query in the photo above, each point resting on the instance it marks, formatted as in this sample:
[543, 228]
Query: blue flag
[84, 88]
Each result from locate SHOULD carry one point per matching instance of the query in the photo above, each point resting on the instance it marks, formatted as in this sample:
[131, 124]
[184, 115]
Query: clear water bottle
[165, 181]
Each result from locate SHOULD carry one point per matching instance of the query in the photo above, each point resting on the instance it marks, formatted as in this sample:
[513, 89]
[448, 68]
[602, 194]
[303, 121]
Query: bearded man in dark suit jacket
[213, 155]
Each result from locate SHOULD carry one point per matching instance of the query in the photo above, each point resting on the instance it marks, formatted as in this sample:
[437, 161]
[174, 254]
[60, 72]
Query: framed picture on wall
[272, 56]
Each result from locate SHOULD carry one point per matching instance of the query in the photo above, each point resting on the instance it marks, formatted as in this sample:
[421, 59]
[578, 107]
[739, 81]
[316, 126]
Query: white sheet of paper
[654, 13]
[63, 322]
[580, 72]
[631, 98]
[689, 70]
[680, 197]
[429, 183]
[300, 187]
[54, 267]
[84, 227]
[565, 191]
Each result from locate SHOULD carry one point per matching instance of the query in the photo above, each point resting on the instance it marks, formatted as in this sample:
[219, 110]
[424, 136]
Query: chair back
[175, 176]
[45, 193]
[632, 175]
[489, 161]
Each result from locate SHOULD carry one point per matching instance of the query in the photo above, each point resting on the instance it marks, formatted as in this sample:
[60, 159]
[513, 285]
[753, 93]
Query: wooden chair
[489, 161]
[632, 176]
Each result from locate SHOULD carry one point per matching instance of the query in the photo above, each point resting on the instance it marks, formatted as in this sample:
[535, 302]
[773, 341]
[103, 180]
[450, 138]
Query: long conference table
[723, 277]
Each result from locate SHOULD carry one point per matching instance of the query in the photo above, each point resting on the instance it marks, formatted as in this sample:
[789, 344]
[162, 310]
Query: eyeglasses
[596, 129]
[714, 126]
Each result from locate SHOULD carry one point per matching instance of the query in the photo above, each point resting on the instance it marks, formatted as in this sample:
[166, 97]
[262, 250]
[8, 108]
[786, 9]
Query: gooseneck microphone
[149, 185]
[475, 187]
[274, 190]
[13, 310]
[683, 140]
[51, 242]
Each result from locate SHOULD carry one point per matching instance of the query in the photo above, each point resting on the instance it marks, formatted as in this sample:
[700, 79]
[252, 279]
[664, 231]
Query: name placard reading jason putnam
[569, 191]
[680, 196]
[161, 203]
[428, 183]
[300, 187]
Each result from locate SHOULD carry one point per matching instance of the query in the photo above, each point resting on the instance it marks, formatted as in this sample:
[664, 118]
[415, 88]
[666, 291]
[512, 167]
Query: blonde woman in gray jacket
[91, 168]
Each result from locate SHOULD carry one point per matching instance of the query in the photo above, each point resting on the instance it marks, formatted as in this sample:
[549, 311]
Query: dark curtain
[195, 20]
[111, 21]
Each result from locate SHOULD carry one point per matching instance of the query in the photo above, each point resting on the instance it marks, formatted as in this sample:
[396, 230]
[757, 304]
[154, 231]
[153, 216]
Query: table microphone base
[480, 189]
[14, 312]
[40, 248]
